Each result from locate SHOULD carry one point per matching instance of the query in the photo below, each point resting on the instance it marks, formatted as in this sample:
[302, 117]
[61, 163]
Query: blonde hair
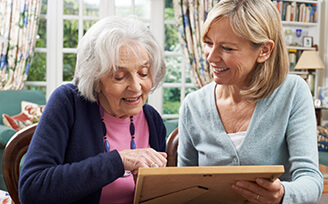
[257, 21]
[98, 52]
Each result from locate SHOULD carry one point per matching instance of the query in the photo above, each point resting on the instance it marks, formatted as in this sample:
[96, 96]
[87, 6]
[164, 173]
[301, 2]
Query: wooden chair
[12, 155]
[171, 148]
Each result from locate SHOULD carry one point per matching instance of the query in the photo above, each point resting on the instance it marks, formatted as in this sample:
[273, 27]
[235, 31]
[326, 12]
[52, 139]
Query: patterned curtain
[190, 16]
[19, 21]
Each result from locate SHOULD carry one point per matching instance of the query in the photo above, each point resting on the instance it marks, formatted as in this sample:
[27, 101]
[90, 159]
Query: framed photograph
[201, 184]
[307, 41]
[323, 96]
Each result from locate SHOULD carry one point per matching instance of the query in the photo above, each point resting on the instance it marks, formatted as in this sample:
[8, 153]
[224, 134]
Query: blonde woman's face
[123, 92]
[231, 57]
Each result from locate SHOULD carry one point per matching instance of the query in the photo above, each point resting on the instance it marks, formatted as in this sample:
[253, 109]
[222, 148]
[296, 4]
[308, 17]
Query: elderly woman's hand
[136, 158]
[263, 191]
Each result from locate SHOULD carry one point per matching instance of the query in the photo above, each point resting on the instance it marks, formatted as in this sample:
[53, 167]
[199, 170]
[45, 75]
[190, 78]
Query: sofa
[170, 125]
[10, 104]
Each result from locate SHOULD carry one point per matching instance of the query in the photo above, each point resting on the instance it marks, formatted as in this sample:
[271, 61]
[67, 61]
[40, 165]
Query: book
[288, 12]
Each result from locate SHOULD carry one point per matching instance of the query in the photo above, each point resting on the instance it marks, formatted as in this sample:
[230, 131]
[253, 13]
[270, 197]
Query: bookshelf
[300, 19]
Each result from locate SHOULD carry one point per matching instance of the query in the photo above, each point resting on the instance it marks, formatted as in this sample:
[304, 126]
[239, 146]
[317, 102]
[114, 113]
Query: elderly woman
[256, 113]
[95, 134]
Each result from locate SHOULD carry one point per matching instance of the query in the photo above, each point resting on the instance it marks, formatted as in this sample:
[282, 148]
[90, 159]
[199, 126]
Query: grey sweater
[282, 131]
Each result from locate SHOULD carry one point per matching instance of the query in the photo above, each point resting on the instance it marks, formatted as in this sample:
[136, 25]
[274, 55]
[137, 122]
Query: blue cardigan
[65, 162]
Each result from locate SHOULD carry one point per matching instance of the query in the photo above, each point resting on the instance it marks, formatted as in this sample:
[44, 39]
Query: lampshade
[309, 60]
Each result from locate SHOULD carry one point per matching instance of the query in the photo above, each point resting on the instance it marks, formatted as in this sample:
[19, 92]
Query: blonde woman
[253, 113]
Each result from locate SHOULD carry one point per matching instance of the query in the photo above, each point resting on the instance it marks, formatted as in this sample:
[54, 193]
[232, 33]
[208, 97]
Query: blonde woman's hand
[133, 159]
[262, 191]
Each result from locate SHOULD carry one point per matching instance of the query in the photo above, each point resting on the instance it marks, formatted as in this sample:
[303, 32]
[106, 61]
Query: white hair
[98, 52]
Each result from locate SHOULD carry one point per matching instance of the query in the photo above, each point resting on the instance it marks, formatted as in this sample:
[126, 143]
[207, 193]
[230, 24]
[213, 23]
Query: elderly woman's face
[232, 58]
[123, 92]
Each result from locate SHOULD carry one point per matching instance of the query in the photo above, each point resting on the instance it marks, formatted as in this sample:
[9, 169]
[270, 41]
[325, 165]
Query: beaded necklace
[106, 143]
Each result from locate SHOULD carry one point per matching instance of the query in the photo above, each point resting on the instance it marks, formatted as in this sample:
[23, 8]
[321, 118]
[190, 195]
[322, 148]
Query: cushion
[17, 122]
[10, 100]
[32, 110]
[30, 113]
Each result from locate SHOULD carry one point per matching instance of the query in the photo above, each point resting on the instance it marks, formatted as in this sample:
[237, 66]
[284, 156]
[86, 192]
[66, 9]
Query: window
[177, 83]
[65, 23]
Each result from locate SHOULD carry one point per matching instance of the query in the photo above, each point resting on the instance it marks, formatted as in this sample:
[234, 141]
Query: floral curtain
[190, 16]
[19, 21]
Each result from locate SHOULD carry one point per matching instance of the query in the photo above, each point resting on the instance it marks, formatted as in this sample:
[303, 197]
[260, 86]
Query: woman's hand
[136, 158]
[263, 191]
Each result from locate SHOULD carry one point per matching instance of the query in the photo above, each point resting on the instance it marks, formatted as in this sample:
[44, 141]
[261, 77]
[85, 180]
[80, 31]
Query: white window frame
[55, 50]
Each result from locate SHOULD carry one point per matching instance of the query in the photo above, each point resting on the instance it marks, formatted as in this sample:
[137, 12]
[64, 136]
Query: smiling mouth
[220, 69]
[131, 99]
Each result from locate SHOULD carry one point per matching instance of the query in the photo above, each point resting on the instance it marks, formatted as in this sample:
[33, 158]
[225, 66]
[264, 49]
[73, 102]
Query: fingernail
[259, 181]
[239, 184]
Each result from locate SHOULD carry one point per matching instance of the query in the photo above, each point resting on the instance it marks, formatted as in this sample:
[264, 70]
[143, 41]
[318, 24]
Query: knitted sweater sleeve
[306, 182]
[65, 162]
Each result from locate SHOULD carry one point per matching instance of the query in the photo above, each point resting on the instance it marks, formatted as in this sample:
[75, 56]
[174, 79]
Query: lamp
[311, 61]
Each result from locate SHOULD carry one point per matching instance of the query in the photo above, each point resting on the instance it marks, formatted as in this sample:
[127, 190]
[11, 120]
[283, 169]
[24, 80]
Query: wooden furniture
[318, 114]
[14, 151]
[10, 104]
[300, 28]
[324, 170]
[171, 148]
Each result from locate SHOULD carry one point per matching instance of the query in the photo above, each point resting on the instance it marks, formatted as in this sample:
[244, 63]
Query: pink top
[119, 138]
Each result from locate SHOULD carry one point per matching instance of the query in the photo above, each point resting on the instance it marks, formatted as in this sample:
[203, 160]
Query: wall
[324, 41]
[323, 52]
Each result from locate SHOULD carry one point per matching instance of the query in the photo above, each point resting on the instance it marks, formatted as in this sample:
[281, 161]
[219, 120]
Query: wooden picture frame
[307, 41]
[211, 184]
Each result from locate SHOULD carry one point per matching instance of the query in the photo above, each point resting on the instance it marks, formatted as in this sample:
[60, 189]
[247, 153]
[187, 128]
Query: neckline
[113, 119]
[105, 136]
[218, 120]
